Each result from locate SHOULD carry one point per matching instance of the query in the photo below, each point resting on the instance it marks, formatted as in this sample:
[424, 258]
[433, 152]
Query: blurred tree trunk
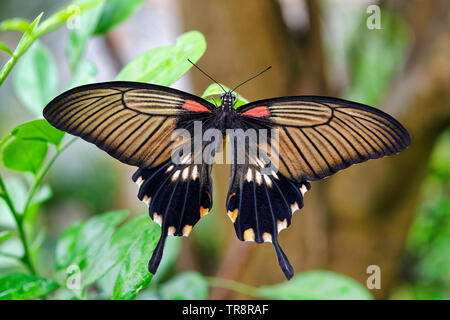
[360, 216]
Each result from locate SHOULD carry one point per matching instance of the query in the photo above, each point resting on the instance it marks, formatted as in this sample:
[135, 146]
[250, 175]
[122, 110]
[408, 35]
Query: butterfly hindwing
[177, 195]
[261, 205]
[261, 201]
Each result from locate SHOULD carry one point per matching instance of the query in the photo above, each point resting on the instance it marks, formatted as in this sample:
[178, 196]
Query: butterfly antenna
[256, 75]
[206, 75]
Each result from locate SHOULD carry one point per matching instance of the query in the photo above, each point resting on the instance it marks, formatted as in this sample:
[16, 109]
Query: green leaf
[38, 129]
[84, 73]
[24, 155]
[79, 37]
[18, 286]
[18, 195]
[115, 12]
[82, 243]
[117, 249]
[5, 235]
[165, 65]
[67, 247]
[5, 140]
[28, 37]
[36, 79]
[13, 247]
[15, 24]
[132, 270]
[185, 286]
[313, 285]
[215, 90]
[43, 194]
[5, 48]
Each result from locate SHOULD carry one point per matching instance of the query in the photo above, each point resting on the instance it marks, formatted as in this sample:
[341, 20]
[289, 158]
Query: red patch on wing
[259, 112]
[192, 105]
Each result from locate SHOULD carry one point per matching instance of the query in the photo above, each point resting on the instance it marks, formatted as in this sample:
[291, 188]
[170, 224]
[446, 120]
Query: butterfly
[312, 137]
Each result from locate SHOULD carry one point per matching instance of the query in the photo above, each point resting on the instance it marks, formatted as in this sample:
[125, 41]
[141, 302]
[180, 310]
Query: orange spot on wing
[203, 211]
[259, 112]
[233, 214]
[192, 105]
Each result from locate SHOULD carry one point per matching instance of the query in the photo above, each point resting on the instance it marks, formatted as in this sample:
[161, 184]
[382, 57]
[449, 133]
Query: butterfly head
[228, 99]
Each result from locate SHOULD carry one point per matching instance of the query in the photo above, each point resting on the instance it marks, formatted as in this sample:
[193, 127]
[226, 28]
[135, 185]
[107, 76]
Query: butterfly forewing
[131, 121]
[319, 136]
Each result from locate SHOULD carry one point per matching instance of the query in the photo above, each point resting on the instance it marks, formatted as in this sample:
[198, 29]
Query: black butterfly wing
[317, 137]
[135, 123]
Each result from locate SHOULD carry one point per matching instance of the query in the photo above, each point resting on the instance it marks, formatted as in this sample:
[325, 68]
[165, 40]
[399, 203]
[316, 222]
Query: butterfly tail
[155, 260]
[283, 261]
[261, 205]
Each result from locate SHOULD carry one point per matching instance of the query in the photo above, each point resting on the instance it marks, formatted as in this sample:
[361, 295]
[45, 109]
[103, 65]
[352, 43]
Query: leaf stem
[233, 285]
[19, 222]
[42, 174]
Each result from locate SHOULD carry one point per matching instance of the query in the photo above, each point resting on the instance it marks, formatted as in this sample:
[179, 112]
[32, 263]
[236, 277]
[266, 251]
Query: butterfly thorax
[226, 113]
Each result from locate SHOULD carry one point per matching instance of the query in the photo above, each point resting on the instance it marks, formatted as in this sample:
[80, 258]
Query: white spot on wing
[157, 218]
[185, 173]
[186, 230]
[267, 237]
[258, 177]
[294, 207]
[175, 175]
[194, 173]
[249, 235]
[139, 181]
[303, 189]
[147, 200]
[274, 174]
[249, 176]
[267, 179]
[260, 163]
[281, 225]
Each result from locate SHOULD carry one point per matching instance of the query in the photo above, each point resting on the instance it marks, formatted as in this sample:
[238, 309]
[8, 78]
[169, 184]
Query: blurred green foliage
[427, 261]
[374, 58]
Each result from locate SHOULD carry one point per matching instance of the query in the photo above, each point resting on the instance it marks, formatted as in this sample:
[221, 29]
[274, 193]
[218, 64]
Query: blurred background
[393, 212]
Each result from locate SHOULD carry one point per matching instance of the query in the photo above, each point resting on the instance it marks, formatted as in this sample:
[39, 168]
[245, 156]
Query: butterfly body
[311, 138]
